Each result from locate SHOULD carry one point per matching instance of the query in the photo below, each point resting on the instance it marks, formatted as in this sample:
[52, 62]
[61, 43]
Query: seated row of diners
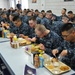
[54, 34]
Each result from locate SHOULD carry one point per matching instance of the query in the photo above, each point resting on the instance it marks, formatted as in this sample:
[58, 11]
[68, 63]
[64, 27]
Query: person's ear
[73, 32]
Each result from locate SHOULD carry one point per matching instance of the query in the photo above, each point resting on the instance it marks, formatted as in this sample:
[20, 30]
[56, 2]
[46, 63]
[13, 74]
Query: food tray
[61, 70]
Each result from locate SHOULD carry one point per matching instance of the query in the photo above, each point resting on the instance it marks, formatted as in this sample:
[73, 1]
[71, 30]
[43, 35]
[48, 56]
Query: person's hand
[64, 53]
[53, 18]
[12, 34]
[3, 24]
[29, 39]
[70, 22]
[42, 47]
[7, 27]
[54, 52]
[21, 35]
[33, 39]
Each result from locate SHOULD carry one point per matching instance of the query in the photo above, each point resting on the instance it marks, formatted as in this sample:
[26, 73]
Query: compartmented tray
[62, 68]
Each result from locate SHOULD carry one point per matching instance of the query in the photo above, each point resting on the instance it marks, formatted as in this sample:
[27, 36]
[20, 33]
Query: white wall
[34, 5]
[24, 4]
[57, 5]
[54, 5]
[4, 4]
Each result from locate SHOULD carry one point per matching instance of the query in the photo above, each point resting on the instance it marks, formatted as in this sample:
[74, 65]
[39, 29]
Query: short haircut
[32, 18]
[65, 17]
[65, 9]
[40, 28]
[3, 13]
[42, 10]
[67, 27]
[70, 12]
[28, 11]
[15, 18]
[36, 10]
[49, 11]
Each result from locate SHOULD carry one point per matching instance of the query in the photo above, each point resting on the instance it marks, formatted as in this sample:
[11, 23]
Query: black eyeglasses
[65, 36]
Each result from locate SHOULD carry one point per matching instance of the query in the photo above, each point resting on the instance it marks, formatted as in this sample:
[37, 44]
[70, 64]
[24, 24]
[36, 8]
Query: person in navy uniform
[47, 39]
[63, 14]
[57, 25]
[71, 17]
[67, 47]
[46, 21]
[18, 5]
[26, 17]
[20, 28]
[39, 18]
[32, 23]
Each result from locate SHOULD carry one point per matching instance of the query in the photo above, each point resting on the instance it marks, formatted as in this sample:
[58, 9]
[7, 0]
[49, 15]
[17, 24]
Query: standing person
[18, 5]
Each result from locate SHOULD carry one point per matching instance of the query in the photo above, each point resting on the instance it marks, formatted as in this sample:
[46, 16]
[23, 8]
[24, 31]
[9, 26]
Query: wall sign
[34, 1]
[68, 0]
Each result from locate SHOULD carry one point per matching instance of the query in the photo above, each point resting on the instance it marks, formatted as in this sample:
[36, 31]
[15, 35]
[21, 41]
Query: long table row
[16, 59]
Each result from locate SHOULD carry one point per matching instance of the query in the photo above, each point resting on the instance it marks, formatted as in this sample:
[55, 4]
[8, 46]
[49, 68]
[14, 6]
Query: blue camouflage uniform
[59, 18]
[56, 27]
[22, 29]
[46, 22]
[25, 19]
[50, 41]
[69, 59]
[38, 20]
[31, 32]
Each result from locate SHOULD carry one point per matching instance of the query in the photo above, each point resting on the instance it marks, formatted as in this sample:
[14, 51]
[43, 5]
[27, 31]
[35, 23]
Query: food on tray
[28, 42]
[54, 60]
[64, 68]
[51, 66]
[34, 48]
[22, 43]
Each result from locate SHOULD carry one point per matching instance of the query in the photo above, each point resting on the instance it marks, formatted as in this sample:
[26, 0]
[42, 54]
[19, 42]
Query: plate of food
[56, 67]
[23, 42]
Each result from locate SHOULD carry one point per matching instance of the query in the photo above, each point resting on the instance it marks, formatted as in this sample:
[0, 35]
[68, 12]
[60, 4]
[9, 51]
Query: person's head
[18, 2]
[70, 14]
[3, 15]
[68, 32]
[43, 12]
[17, 21]
[11, 17]
[32, 22]
[32, 10]
[40, 30]
[48, 14]
[40, 15]
[11, 8]
[63, 11]
[4, 9]
[36, 12]
[29, 13]
[65, 19]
